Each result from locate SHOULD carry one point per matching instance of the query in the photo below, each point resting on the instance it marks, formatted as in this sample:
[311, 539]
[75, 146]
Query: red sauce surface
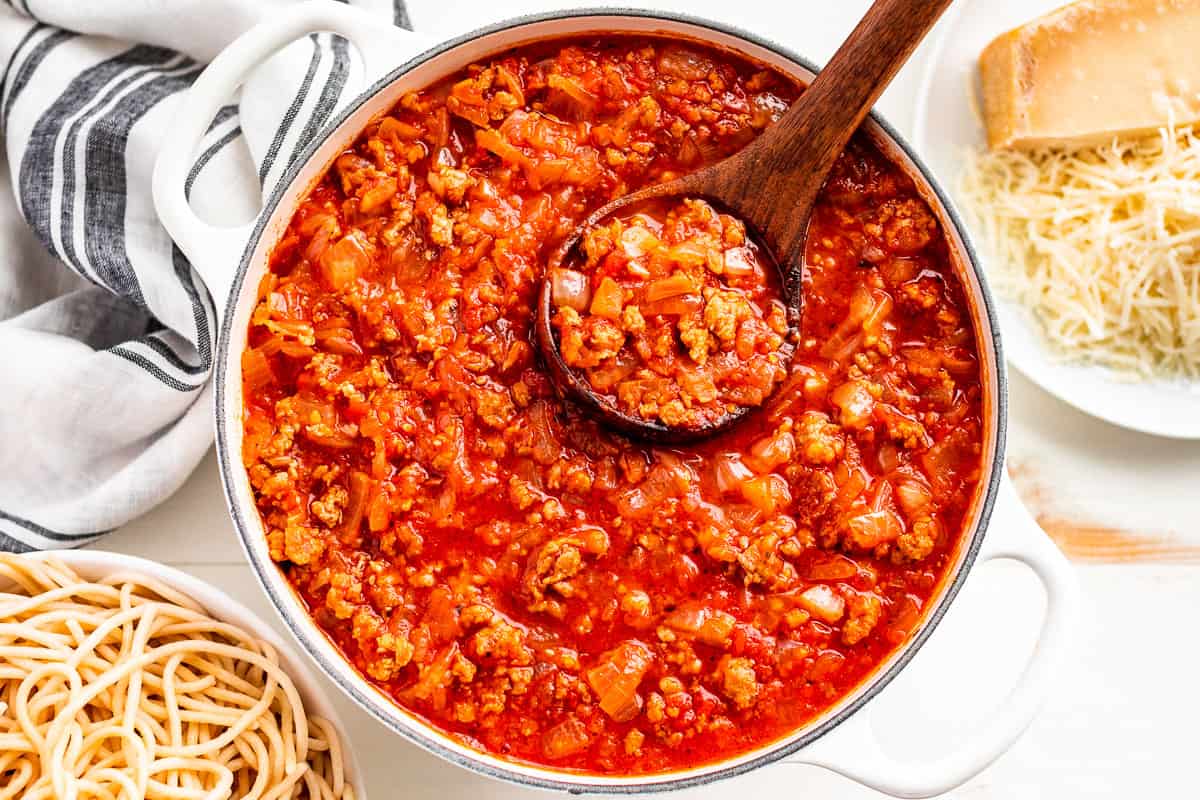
[512, 573]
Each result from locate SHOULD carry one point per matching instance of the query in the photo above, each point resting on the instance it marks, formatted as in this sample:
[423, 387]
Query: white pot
[232, 261]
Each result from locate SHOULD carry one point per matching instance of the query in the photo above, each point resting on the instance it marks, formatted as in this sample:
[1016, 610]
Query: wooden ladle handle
[771, 184]
[775, 180]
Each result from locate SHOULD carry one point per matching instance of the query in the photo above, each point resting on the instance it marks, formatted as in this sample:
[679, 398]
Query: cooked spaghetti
[123, 689]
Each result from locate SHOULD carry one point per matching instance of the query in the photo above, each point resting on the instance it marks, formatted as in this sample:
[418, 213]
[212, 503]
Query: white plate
[946, 128]
[97, 564]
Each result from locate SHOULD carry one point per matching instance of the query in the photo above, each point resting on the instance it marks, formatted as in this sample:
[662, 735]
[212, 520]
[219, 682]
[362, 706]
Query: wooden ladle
[771, 185]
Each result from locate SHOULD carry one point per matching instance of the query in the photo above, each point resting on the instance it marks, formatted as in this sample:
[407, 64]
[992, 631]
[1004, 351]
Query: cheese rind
[1092, 71]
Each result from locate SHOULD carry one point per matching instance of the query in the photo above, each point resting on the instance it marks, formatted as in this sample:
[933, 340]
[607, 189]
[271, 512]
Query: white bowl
[98, 564]
[946, 129]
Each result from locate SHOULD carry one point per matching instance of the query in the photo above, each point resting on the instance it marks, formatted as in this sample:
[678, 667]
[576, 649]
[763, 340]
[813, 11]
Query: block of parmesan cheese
[1091, 71]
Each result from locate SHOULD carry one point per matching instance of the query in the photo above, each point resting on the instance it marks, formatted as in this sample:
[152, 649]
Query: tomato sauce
[498, 563]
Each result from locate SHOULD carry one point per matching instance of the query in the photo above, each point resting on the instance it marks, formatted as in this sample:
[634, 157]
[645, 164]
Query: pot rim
[562, 780]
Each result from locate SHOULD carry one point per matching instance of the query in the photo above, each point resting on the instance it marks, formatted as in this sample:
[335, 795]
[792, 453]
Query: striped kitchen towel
[106, 332]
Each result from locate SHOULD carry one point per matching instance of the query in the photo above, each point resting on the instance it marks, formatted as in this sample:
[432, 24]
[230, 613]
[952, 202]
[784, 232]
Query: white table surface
[1121, 721]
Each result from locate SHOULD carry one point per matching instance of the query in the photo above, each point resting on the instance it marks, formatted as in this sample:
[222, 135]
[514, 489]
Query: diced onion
[670, 286]
[854, 403]
[883, 307]
[360, 485]
[256, 370]
[873, 528]
[709, 625]
[832, 567]
[674, 306]
[608, 300]
[739, 262]
[855, 483]
[632, 504]
[767, 493]
[904, 620]
[491, 141]
[606, 376]
[943, 460]
[888, 457]
[637, 241]
[545, 441]
[570, 288]
[730, 472]
[822, 603]
[689, 253]
[681, 62]
[571, 88]
[769, 452]
[376, 197]
[913, 496]
[826, 664]
[565, 739]
[616, 680]
[346, 261]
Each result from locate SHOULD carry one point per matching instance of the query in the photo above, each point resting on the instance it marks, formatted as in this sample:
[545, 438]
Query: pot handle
[214, 250]
[852, 749]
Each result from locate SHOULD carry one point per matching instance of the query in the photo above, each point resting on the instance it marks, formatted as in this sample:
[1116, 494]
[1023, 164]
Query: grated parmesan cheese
[1102, 243]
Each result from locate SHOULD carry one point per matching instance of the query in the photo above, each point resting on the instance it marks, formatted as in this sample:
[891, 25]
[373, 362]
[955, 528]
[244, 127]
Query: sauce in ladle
[671, 313]
[770, 184]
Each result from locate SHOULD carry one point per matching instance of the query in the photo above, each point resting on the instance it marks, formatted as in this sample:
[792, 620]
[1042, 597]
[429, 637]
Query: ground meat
[491, 94]
[701, 323]
[865, 609]
[904, 226]
[329, 508]
[918, 542]
[441, 230]
[604, 338]
[450, 184]
[695, 338]
[632, 320]
[502, 641]
[553, 564]
[818, 439]
[723, 311]
[763, 563]
[302, 544]
[589, 342]
[738, 681]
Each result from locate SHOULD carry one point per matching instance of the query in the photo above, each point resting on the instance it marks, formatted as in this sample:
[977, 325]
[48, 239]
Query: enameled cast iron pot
[232, 261]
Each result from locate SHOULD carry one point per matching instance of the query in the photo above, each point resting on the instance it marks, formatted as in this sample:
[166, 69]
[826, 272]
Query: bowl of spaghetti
[120, 677]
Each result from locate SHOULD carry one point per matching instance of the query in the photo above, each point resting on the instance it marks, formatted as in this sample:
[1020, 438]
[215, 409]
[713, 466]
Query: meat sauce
[673, 315]
[506, 569]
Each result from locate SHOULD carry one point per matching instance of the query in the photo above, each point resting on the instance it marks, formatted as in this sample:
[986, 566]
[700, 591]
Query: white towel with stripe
[106, 332]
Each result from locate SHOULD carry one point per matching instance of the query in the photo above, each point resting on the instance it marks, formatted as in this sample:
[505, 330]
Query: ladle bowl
[771, 185]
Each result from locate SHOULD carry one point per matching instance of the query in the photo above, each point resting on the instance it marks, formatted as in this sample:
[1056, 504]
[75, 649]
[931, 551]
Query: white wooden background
[1121, 722]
